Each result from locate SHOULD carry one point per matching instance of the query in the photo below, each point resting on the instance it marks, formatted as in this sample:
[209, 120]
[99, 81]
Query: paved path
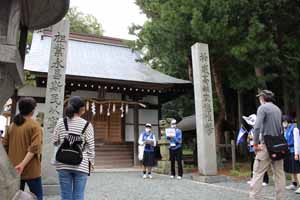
[130, 186]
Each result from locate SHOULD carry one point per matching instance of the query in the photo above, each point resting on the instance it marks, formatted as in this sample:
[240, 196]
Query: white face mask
[147, 130]
[285, 124]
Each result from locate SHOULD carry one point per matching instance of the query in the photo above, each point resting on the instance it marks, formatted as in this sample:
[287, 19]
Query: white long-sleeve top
[296, 140]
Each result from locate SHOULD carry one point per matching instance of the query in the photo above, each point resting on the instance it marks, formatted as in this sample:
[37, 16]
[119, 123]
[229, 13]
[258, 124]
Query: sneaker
[297, 191]
[179, 177]
[144, 176]
[264, 184]
[172, 177]
[291, 187]
[150, 176]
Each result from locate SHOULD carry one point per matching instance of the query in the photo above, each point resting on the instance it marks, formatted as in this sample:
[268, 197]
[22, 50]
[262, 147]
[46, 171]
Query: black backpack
[70, 151]
[277, 147]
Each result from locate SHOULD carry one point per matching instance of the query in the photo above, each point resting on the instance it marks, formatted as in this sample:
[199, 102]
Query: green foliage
[243, 36]
[30, 78]
[179, 108]
[83, 23]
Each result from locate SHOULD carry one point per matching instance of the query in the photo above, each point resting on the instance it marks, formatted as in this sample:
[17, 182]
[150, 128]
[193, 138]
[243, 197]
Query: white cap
[148, 125]
[173, 121]
[250, 120]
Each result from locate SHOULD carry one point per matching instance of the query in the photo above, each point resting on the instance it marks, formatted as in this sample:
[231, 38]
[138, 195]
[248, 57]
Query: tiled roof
[105, 58]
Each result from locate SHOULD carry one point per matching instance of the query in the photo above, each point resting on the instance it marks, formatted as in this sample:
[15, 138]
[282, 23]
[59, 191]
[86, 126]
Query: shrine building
[122, 94]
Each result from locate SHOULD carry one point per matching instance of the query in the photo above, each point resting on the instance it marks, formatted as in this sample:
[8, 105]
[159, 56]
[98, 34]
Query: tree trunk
[219, 90]
[285, 98]
[240, 106]
[190, 68]
[298, 95]
[259, 72]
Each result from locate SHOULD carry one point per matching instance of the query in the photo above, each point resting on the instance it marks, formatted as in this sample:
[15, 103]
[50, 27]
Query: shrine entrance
[108, 127]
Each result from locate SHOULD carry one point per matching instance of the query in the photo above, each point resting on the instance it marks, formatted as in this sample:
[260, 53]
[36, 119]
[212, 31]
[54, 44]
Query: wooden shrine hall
[121, 93]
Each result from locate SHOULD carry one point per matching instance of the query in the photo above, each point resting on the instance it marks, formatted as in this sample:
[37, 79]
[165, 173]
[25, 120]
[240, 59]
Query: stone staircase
[109, 156]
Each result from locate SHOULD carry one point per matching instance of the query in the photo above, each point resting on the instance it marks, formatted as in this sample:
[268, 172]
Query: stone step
[114, 155]
[114, 163]
[113, 166]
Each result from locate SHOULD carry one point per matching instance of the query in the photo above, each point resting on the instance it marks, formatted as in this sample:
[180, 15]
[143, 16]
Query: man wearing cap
[268, 122]
[176, 150]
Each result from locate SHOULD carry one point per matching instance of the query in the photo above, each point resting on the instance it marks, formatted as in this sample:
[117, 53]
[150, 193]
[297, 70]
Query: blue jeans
[35, 186]
[72, 184]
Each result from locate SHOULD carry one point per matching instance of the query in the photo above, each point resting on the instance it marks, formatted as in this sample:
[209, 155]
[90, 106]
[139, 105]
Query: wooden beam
[136, 134]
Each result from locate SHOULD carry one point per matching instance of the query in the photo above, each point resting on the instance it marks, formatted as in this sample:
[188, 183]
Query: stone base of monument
[24, 196]
[210, 179]
[51, 190]
[164, 167]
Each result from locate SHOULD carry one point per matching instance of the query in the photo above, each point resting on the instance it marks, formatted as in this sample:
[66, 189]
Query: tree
[253, 44]
[83, 23]
[174, 26]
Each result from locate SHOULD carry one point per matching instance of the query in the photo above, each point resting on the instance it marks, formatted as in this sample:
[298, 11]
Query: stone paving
[130, 186]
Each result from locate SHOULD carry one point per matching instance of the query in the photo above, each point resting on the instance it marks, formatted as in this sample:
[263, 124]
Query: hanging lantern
[87, 105]
[101, 109]
[108, 110]
[114, 108]
[126, 110]
[122, 110]
[93, 108]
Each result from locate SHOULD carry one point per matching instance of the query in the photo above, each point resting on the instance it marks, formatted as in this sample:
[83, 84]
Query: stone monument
[54, 100]
[163, 165]
[10, 180]
[206, 141]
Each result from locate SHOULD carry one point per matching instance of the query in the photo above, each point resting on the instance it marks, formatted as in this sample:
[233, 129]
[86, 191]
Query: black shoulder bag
[70, 151]
[277, 147]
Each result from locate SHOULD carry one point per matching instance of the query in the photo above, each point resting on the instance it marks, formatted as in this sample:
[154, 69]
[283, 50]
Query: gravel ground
[130, 186]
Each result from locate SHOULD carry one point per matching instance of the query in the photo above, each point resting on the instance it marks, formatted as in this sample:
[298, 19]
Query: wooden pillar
[123, 123]
[136, 134]
[159, 118]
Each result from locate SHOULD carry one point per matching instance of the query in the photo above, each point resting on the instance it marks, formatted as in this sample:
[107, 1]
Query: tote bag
[141, 152]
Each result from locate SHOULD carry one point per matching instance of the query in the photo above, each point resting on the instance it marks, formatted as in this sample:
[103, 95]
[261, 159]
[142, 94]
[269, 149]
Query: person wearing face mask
[291, 162]
[147, 138]
[176, 151]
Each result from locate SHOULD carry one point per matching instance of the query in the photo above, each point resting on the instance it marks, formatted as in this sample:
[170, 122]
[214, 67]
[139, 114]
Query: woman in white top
[73, 178]
[291, 162]
[147, 139]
